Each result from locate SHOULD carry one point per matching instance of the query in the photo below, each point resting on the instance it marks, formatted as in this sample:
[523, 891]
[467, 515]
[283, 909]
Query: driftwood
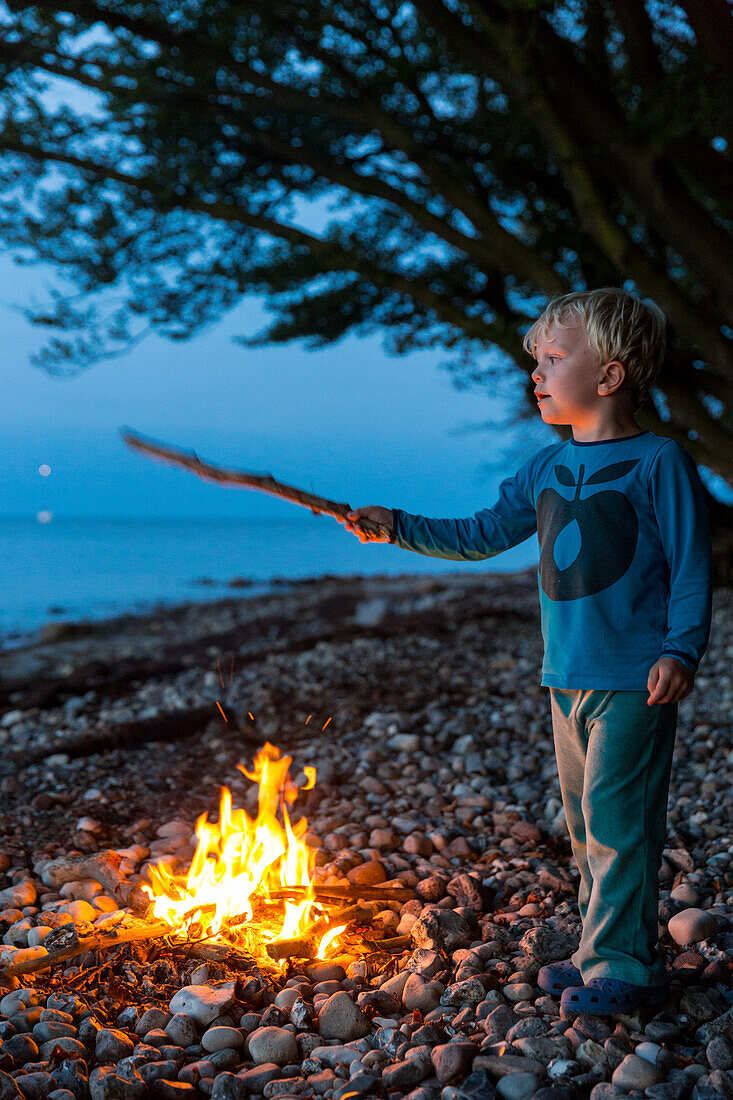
[394, 943]
[346, 893]
[104, 868]
[75, 939]
[265, 483]
[305, 945]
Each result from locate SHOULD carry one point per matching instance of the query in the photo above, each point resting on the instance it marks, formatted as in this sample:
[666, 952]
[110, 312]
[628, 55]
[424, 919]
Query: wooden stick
[266, 483]
[305, 945]
[75, 939]
[394, 943]
[346, 893]
[102, 867]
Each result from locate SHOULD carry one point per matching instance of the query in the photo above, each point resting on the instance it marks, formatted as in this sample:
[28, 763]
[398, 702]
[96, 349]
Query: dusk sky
[348, 421]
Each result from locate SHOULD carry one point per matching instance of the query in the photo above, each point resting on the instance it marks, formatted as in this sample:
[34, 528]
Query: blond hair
[617, 326]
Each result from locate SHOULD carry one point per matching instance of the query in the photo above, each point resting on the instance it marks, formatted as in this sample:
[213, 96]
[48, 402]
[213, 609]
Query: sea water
[70, 569]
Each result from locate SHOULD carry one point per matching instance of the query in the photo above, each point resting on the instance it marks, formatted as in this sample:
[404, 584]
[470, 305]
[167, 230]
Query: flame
[239, 861]
[328, 939]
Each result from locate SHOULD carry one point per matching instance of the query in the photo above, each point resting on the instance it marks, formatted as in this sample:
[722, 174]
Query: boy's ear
[612, 378]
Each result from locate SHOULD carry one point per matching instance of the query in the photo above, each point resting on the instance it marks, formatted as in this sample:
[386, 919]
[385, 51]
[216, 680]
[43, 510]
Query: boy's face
[569, 373]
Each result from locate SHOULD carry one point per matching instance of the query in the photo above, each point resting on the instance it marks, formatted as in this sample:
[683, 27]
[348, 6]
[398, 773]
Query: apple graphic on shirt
[608, 527]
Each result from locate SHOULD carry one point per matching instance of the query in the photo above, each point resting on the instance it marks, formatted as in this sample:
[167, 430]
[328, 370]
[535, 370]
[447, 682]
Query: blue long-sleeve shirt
[625, 573]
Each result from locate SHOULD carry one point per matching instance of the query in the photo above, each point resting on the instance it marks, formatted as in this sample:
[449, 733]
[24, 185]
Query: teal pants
[614, 759]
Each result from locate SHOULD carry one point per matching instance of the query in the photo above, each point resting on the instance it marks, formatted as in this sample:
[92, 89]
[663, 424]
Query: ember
[227, 894]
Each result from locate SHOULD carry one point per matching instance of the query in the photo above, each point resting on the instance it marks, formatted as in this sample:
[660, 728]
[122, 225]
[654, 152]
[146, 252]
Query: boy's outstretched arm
[679, 506]
[510, 521]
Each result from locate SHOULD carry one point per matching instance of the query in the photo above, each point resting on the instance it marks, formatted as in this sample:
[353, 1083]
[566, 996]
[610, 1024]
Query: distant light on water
[44, 470]
[44, 516]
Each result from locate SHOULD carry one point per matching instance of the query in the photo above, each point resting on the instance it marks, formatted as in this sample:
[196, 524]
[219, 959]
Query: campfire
[249, 883]
[247, 900]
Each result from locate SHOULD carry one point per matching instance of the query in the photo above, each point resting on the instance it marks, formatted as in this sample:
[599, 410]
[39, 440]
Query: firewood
[394, 943]
[102, 867]
[306, 945]
[266, 483]
[347, 893]
[76, 939]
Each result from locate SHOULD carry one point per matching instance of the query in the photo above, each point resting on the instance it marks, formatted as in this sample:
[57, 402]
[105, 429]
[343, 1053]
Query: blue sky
[348, 421]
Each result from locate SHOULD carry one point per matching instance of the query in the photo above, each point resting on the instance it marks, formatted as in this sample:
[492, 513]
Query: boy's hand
[374, 513]
[669, 681]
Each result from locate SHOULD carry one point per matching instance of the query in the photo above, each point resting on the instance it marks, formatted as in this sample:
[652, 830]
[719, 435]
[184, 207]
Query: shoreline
[418, 701]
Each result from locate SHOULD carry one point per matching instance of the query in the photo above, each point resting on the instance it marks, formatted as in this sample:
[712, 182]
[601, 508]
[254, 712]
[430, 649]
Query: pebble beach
[418, 701]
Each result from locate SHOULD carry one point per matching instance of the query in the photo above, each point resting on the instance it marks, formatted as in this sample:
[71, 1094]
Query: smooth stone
[719, 1053]
[548, 944]
[222, 1038]
[181, 1029]
[635, 1073]
[106, 1084]
[151, 1020]
[340, 1018]
[111, 1045]
[273, 1044]
[256, 1079]
[404, 1075]
[163, 1089]
[685, 894]
[22, 1048]
[452, 1060]
[8, 1088]
[229, 1086]
[203, 1002]
[337, 1055]
[517, 991]
[517, 1086]
[19, 998]
[692, 925]
[421, 995]
[152, 1071]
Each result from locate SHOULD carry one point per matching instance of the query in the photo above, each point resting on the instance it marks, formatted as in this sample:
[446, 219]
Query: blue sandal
[606, 996]
[555, 977]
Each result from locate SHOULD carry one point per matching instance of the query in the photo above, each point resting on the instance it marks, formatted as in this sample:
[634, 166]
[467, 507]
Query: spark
[218, 665]
[249, 712]
[325, 724]
[222, 712]
[308, 719]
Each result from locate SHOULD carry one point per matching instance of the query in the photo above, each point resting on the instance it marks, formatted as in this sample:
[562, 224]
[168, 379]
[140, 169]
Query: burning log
[305, 946]
[346, 893]
[104, 868]
[266, 483]
[71, 940]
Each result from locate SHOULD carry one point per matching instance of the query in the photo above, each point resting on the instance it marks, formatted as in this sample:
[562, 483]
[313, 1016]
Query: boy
[625, 585]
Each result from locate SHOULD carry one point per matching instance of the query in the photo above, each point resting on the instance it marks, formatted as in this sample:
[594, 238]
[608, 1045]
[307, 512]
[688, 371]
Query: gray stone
[203, 1002]
[21, 1048]
[452, 1060]
[153, 1071]
[8, 1088]
[337, 1055]
[67, 1044]
[719, 1053]
[340, 1018]
[404, 1075]
[721, 1025]
[229, 1086]
[181, 1029]
[256, 1079]
[106, 1084]
[468, 992]
[421, 995]
[531, 1025]
[36, 1086]
[150, 1019]
[163, 1089]
[635, 1073]
[441, 930]
[478, 1086]
[517, 1086]
[112, 1045]
[548, 944]
[19, 998]
[273, 1044]
[222, 1038]
[543, 1048]
[498, 1022]
[722, 1082]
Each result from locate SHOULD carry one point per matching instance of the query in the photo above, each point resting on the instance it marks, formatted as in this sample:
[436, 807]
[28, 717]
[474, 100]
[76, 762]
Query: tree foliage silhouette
[480, 155]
